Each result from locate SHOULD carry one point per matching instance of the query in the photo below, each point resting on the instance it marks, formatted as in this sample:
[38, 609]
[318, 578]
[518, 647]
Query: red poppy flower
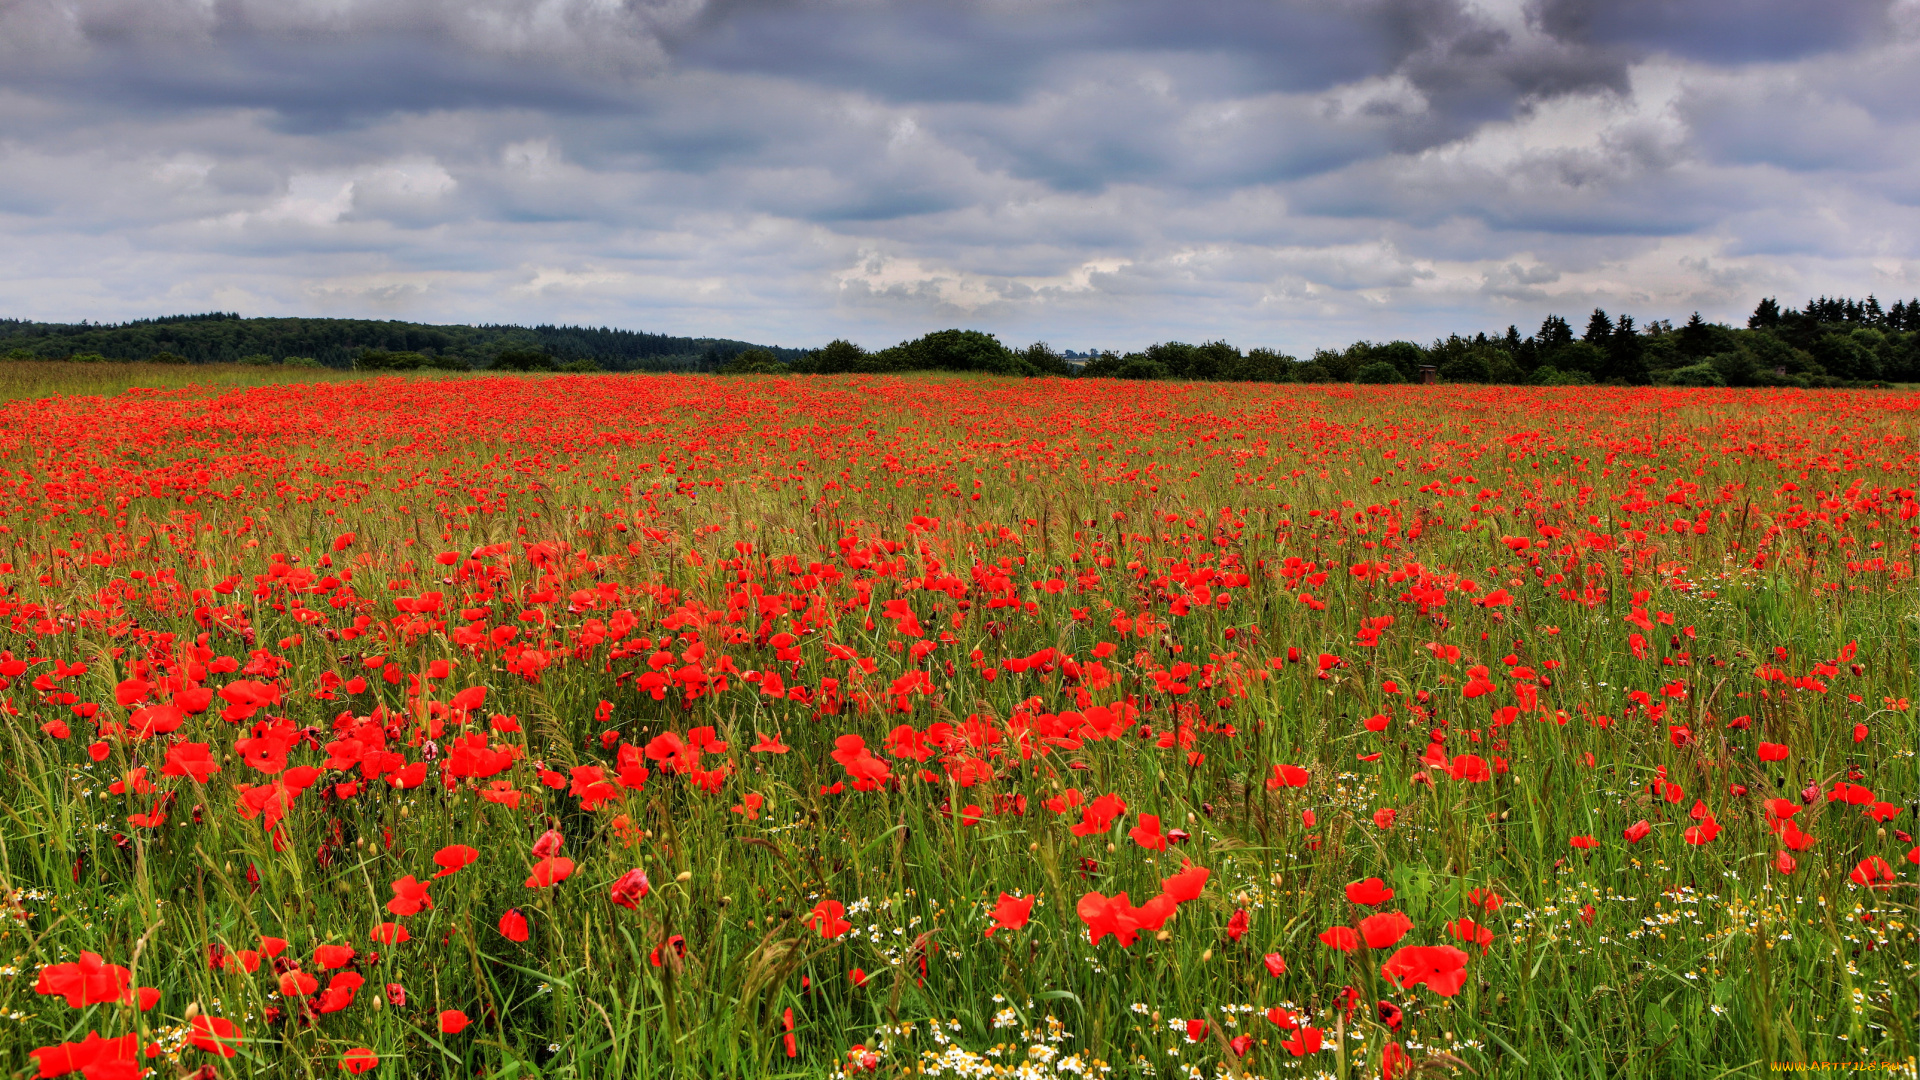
[549, 872]
[359, 1060]
[1276, 965]
[676, 943]
[1470, 768]
[1185, 885]
[513, 925]
[87, 981]
[109, 1059]
[328, 957]
[1304, 1041]
[452, 857]
[1372, 892]
[214, 1034]
[452, 1021]
[1584, 842]
[1340, 937]
[1469, 932]
[1637, 831]
[1287, 776]
[1108, 915]
[409, 896]
[1237, 925]
[1442, 967]
[1873, 872]
[389, 933]
[297, 983]
[630, 889]
[1384, 931]
[1010, 913]
[1703, 832]
[1147, 834]
[826, 918]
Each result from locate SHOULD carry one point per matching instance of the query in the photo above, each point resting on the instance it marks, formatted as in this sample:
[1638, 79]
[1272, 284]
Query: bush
[255, 360]
[522, 360]
[87, 358]
[1695, 375]
[1468, 367]
[1044, 359]
[164, 357]
[1549, 375]
[1378, 372]
[753, 362]
[301, 362]
[1313, 371]
[1265, 365]
[1139, 366]
[585, 365]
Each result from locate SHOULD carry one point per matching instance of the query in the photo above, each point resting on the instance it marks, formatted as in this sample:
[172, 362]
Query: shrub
[1695, 375]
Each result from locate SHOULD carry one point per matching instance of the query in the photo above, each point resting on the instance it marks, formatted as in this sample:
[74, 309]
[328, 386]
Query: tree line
[1828, 342]
[226, 338]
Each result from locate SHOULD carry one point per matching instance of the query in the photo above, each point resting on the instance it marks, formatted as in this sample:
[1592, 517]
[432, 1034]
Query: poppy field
[585, 726]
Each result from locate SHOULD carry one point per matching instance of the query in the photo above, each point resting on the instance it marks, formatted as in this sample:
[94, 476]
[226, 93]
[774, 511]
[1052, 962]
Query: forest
[225, 338]
[1830, 342]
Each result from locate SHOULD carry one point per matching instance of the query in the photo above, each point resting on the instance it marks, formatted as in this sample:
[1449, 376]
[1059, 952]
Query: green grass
[1700, 960]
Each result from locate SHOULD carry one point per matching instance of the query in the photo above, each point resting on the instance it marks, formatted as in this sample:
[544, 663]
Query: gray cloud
[1287, 172]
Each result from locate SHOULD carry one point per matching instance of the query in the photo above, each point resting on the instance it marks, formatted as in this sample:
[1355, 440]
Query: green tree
[753, 362]
[1599, 329]
[522, 360]
[1044, 359]
[1469, 366]
[1626, 355]
[1554, 334]
[1695, 375]
[1378, 372]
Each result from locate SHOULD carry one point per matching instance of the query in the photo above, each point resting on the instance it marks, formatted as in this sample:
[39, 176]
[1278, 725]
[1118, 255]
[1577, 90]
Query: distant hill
[220, 337]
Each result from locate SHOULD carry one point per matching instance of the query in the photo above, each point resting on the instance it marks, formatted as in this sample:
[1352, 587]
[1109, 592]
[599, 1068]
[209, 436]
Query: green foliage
[1471, 366]
[1265, 365]
[1044, 359]
[1379, 372]
[1313, 371]
[255, 360]
[753, 362]
[1696, 375]
[522, 360]
[223, 338]
[382, 360]
[301, 362]
[1548, 375]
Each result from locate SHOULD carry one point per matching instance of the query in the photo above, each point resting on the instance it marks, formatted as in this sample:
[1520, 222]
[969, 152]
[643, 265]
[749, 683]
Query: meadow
[581, 726]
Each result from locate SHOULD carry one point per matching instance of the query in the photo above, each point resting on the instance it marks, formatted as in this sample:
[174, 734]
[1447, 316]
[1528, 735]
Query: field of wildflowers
[622, 726]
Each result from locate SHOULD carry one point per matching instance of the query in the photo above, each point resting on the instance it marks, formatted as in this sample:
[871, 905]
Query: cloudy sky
[1095, 173]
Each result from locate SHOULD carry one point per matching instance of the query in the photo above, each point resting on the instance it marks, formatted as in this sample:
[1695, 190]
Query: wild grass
[719, 513]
